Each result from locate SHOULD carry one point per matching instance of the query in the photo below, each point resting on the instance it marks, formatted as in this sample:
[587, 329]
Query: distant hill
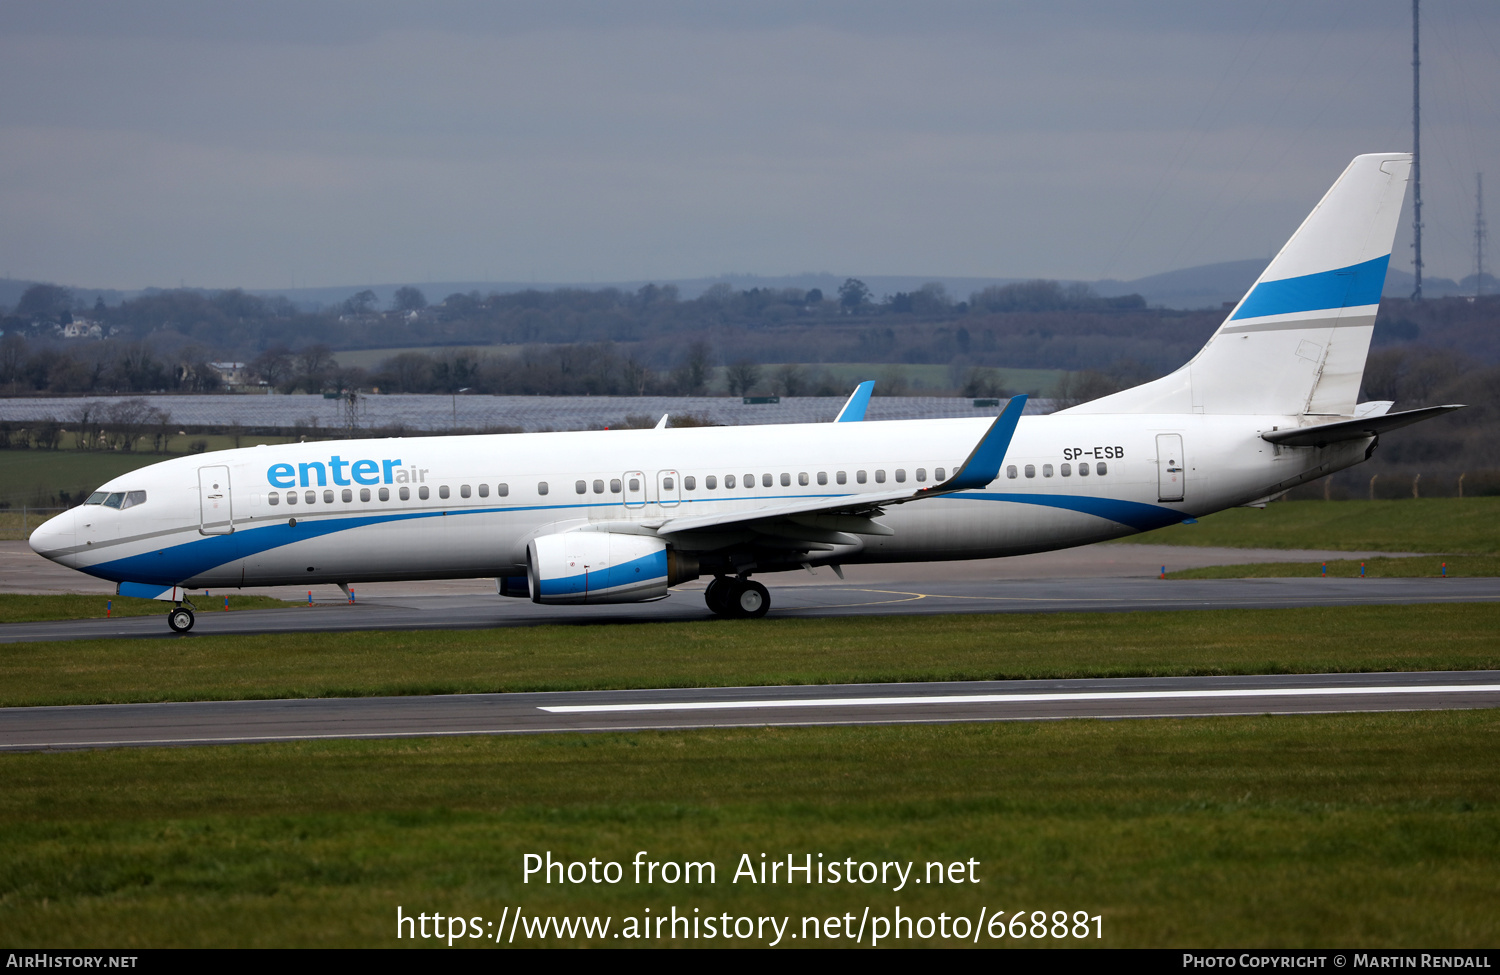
[1204, 286]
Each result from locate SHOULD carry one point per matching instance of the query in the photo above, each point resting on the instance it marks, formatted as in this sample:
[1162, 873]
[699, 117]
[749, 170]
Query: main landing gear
[180, 619]
[737, 598]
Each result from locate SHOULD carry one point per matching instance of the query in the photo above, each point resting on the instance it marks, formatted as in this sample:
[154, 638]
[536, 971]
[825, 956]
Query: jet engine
[604, 567]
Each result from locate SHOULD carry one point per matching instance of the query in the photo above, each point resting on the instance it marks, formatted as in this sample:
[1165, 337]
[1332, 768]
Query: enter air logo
[316, 473]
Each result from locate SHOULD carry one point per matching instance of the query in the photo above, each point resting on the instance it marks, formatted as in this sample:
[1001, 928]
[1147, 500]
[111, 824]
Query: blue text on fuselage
[361, 471]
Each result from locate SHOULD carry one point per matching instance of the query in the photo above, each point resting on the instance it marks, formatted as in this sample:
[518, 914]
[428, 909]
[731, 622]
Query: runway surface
[790, 602]
[244, 722]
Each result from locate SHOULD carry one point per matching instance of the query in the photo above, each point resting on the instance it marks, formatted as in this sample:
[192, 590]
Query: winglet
[859, 401]
[983, 465]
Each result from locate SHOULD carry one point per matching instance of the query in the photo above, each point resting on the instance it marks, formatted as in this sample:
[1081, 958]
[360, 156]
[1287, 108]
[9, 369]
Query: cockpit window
[97, 497]
[133, 498]
[115, 500]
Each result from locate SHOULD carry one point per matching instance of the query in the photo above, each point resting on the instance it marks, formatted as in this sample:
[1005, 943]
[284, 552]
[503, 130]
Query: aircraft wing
[1356, 429]
[981, 467]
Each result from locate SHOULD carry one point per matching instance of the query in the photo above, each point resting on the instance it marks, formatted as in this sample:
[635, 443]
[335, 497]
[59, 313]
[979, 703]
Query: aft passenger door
[215, 515]
[1171, 467]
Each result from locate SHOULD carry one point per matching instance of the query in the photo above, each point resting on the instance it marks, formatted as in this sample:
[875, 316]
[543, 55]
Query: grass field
[1439, 525]
[1352, 830]
[772, 651]
[33, 477]
[1471, 566]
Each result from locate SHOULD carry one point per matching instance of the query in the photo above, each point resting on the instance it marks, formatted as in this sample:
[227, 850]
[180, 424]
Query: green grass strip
[1470, 566]
[1461, 636]
[1448, 525]
[24, 608]
[1376, 830]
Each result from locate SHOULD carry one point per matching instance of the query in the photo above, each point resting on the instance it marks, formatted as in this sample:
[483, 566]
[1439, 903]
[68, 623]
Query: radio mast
[1479, 234]
[1416, 150]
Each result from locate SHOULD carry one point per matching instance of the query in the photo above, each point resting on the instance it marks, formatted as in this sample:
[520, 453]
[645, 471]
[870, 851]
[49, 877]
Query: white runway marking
[827, 702]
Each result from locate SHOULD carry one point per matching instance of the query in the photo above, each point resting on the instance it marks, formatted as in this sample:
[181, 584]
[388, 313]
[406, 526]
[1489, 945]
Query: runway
[790, 602]
[248, 722]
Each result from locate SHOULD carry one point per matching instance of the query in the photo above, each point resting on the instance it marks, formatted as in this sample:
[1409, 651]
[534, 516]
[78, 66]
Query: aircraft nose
[54, 536]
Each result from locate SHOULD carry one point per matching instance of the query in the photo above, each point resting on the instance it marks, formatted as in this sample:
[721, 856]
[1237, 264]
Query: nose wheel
[737, 598]
[180, 619]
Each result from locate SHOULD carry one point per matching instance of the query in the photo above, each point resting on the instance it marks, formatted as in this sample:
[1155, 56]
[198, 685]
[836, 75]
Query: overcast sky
[272, 144]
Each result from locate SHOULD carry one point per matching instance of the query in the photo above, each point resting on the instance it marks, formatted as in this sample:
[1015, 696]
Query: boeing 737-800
[623, 516]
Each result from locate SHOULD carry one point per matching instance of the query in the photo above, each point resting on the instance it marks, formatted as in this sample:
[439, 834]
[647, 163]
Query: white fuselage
[209, 520]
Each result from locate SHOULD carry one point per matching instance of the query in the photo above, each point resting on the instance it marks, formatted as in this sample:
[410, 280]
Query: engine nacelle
[603, 567]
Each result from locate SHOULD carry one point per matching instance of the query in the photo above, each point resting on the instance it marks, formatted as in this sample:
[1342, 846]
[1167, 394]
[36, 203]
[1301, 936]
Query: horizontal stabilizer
[1356, 429]
[859, 401]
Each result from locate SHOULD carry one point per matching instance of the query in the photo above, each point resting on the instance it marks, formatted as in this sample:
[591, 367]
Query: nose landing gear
[180, 619]
[737, 598]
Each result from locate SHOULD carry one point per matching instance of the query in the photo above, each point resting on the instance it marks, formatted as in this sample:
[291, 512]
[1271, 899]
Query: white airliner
[623, 516]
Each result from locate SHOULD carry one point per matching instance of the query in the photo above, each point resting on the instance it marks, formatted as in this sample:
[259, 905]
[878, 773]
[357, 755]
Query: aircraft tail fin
[1296, 343]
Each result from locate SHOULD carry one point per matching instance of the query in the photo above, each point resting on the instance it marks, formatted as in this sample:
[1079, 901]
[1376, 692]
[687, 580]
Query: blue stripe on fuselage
[174, 564]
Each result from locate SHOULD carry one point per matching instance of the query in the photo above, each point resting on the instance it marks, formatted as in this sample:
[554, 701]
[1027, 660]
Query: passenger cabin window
[729, 480]
[765, 480]
[1046, 470]
[1103, 469]
[484, 490]
[1067, 470]
[273, 498]
[842, 478]
[900, 477]
[404, 494]
[502, 490]
[667, 484]
[1031, 470]
[423, 493]
[786, 480]
[635, 484]
[802, 479]
[690, 483]
[463, 491]
[614, 485]
[1010, 472]
[328, 497]
[311, 497]
[880, 477]
[598, 486]
[347, 495]
[541, 487]
[364, 494]
[581, 486]
[937, 475]
[442, 492]
[822, 477]
[860, 476]
[710, 482]
[921, 474]
[1083, 470]
[97, 497]
[291, 497]
[385, 494]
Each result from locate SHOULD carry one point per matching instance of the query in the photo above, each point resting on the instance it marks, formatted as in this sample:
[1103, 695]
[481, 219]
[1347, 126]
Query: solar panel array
[433, 413]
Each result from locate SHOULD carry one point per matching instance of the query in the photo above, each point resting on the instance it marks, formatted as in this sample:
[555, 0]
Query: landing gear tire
[751, 600]
[180, 619]
[717, 596]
